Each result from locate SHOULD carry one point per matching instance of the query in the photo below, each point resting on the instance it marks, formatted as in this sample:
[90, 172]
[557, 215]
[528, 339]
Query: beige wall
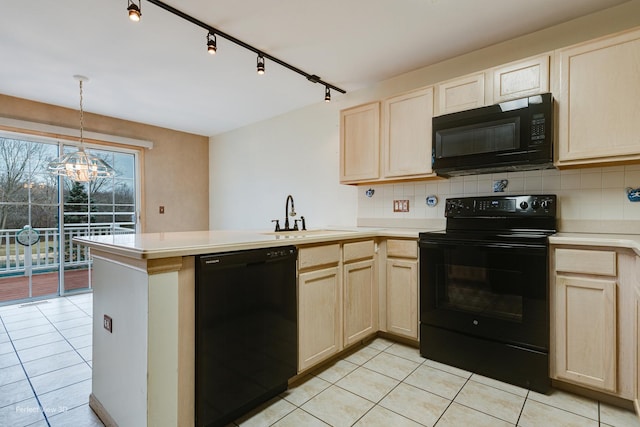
[298, 152]
[175, 171]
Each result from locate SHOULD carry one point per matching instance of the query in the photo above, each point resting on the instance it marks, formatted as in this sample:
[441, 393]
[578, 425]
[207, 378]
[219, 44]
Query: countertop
[172, 244]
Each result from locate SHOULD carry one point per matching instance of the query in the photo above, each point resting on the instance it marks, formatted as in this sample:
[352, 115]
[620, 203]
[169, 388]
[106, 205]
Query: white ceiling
[158, 72]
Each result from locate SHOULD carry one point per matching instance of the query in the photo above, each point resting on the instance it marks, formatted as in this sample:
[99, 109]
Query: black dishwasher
[246, 331]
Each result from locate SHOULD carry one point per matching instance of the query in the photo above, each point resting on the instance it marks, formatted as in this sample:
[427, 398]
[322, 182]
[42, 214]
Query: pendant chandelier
[79, 165]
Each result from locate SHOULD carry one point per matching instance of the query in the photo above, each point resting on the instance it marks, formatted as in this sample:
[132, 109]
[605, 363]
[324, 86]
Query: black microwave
[510, 136]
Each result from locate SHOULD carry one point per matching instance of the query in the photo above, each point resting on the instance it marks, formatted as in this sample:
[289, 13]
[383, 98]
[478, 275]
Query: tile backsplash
[589, 195]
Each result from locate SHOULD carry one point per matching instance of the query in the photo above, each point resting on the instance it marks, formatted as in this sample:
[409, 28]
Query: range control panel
[543, 205]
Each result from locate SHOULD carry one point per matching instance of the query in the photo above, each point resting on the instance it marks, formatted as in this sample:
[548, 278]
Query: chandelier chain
[81, 116]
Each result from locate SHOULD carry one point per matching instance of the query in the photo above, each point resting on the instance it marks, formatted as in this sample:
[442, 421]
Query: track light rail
[311, 77]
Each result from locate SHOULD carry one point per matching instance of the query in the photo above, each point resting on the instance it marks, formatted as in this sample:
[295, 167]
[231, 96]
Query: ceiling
[158, 72]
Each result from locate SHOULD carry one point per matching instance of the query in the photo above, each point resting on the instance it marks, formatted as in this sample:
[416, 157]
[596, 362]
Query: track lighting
[135, 10]
[135, 14]
[212, 46]
[260, 64]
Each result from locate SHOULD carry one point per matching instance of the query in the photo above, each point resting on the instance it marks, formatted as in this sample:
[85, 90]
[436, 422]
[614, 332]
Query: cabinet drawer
[358, 250]
[586, 261]
[402, 248]
[315, 256]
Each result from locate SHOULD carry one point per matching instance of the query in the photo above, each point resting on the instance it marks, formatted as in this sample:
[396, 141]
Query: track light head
[135, 11]
[260, 66]
[212, 46]
[327, 94]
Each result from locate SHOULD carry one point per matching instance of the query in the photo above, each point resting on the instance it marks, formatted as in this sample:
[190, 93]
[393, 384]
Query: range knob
[535, 204]
[524, 205]
[545, 204]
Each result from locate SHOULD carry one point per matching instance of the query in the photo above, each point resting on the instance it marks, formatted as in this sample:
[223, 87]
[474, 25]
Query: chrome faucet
[287, 214]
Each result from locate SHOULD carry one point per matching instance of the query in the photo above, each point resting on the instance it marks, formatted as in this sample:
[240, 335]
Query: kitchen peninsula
[143, 370]
[143, 329]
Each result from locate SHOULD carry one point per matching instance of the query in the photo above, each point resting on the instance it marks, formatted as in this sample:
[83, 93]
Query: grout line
[26, 375]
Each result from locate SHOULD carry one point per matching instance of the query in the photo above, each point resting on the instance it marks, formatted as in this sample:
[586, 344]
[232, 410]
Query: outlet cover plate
[401, 206]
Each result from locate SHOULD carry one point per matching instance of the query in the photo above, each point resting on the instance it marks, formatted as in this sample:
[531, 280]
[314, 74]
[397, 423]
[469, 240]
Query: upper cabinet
[407, 134]
[404, 150]
[460, 94]
[360, 143]
[521, 78]
[597, 101]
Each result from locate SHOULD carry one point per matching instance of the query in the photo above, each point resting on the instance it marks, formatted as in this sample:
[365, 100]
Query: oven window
[491, 292]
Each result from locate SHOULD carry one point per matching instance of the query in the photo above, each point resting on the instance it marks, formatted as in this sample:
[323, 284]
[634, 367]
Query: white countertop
[171, 244]
[630, 241]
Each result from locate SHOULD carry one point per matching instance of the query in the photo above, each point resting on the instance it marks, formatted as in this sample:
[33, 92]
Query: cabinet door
[585, 329]
[637, 349]
[521, 78]
[402, 297]
[597, 101]
[460, 94]
[319, 322]
[360, 143]
[360, 302]
[407, 134]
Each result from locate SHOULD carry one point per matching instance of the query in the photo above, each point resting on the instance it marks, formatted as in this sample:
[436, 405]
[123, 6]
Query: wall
[175, 171]
[255, 167]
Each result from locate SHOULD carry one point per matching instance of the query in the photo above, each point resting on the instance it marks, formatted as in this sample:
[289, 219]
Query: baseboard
[101, 412]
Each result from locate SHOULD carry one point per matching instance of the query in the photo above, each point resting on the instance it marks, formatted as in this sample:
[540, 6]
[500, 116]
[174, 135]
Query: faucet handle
[277, 221]
[304, 224]
[295, 224]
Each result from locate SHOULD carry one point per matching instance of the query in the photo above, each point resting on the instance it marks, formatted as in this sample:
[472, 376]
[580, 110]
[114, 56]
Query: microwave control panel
[537, 128]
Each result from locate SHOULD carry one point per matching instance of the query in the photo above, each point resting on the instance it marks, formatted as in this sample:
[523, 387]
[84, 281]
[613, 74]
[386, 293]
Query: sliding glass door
[40, 214]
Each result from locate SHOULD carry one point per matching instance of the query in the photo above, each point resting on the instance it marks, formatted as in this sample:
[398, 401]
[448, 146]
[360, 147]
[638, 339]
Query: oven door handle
[490, 245]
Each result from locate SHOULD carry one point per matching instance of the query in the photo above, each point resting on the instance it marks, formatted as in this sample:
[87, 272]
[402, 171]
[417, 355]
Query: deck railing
[45, 254]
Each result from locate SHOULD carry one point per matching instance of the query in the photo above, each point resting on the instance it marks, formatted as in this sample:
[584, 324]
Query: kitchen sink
[306, 233]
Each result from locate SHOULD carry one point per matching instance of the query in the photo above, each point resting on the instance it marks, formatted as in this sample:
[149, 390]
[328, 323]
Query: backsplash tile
[589, 194]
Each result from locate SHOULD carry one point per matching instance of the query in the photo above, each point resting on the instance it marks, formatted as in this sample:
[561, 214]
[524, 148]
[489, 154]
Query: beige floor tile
[414, 403]
[362, 355]
[618, 417]
[300, 418]
[382, 417]
[537, 414]
[61, 378]
[392, 366]
[52, 363]
[21, 414]
[436, 381]
[380, 344]
[569, 402]
[305, 389]
[336, 371]
[459, 415]
[15, 392]
[514, 389]
[450, 369]
[266, 414]
[64, 399]
[405, 351]
[368, 384]
[337, 407]
[492, 401]
[12, 374]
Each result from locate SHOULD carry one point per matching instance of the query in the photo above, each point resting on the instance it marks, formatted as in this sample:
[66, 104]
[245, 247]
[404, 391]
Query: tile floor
[45, 380]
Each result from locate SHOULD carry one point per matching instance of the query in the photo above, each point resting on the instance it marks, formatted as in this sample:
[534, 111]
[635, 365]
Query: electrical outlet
[161, 210]
[108, 323]
[401, 206]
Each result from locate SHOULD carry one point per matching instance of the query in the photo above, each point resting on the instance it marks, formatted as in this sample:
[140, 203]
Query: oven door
[493, 290]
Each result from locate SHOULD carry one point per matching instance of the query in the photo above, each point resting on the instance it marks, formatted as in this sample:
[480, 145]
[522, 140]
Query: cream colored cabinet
[593, 323]
[319, 304]
[402, 288]
[406, 138]
[360, 291]
[360, 143]
[460, 94]
[597, 101]
[637, 348]
[520, 79]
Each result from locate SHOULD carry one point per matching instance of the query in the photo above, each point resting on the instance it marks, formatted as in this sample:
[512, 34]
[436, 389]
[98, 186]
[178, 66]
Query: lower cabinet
[402, 288]
[637, 346]
[319, 304]
[360, 291]
[586, 331]
[594, 318]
